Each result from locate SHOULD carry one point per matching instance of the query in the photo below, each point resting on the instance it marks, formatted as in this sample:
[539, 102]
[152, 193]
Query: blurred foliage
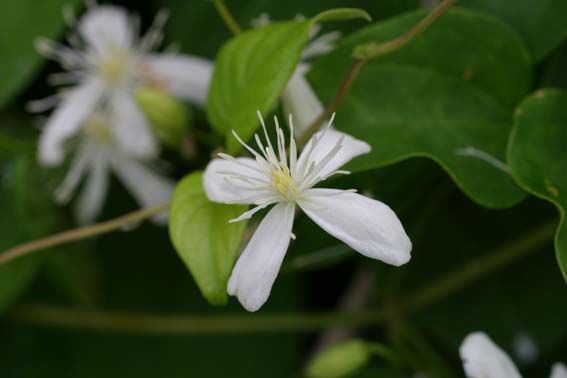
[460, 84]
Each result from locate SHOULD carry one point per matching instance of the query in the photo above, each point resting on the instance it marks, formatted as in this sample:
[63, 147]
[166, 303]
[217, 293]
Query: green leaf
[424, 101]
[340, 14]
[538, 157]
[204, 239]
[19, 60]
[541, 23]
[479, 49]
[251, 71]
[407, 111]
[27, 212]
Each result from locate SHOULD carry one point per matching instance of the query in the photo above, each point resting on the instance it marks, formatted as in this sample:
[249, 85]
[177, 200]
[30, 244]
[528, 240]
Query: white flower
[298, 97]
[484, 359]
[96, 155]
[277, 177]
[106, 62]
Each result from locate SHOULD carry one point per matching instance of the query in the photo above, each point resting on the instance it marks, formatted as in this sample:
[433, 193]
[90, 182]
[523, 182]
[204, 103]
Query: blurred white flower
[106, 61]
[484, 359]
[95, 156]
[298, 97]
[286, 180]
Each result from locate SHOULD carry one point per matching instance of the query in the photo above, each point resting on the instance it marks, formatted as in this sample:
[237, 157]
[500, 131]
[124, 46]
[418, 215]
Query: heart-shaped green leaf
[541, 23]
[537, 155]
[202, 236]
[425, 101]
[19, 59]
[407, 111]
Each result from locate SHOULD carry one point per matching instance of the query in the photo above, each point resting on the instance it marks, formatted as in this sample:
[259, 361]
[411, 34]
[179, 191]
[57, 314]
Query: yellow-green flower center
[114, 67]
[281, 178]
[98, 129]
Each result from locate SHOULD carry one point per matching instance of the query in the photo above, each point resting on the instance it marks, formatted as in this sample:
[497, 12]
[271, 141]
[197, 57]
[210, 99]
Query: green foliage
[26, 213]
[251, 71]
[204, 239]
[416, 102]
[19, 59]
[537, 155]
[541, 23]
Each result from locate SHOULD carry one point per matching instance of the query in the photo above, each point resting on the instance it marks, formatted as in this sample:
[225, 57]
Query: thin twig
[227, 17]
[80, 233]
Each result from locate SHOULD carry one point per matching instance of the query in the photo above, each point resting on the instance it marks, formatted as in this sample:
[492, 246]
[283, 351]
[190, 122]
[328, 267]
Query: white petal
[221, 187]
[256, 269]
[558, 371]
[366, 225]
[328, 138]
[146, 186]
[484, 359]
[77, 170]
[131, 129]
[66, 120]
[300, 100]
[91, 199]
[185, 77]
[106, 28]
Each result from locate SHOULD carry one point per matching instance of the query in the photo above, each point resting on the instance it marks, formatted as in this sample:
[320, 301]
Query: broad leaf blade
[204, 239]
[541, 23]
[537, 155]
[19, 59]
[251, 71]
[479, 49]
[407, 111]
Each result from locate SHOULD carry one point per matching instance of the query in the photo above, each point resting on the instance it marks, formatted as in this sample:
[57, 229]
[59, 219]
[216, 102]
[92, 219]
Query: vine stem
[367, 52]
[142, 323]
[80, 233]
[227, 17]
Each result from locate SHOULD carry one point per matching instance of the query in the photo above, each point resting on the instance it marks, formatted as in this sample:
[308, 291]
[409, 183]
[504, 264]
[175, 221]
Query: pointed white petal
[185, 77]
[558, 371]
[256, 269]
[106, 27]
[78, 169]
[91, 199]
[221, 185]
[131, 128]
[66, 120]
[366, 225]
[146, 186]
[300, 100]
[484, 359]
[328, 138]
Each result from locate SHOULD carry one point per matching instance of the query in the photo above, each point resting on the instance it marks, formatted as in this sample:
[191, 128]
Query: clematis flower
[298, 97]
[96, 156]
[484, 359]
[281, 178]
[106, 62]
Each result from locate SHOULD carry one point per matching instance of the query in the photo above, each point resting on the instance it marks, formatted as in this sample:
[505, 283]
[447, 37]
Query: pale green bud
[169, 118]
[340, 360]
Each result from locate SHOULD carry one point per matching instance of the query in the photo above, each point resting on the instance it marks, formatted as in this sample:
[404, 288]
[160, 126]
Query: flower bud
[169, 118]
[340, 360]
